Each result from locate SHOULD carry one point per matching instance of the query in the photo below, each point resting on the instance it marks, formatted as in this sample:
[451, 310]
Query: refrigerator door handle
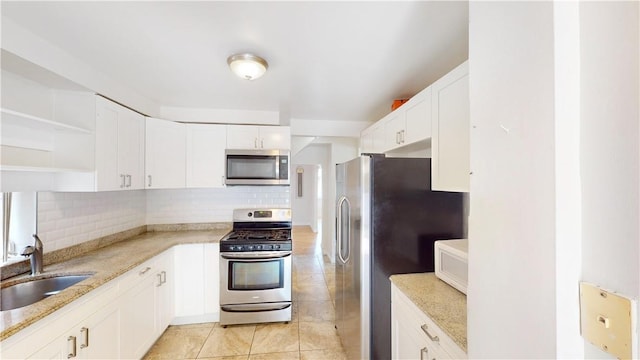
[342, 200]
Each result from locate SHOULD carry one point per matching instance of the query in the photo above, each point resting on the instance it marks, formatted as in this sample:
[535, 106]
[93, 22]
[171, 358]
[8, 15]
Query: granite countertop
[443, 304]
[106, 264]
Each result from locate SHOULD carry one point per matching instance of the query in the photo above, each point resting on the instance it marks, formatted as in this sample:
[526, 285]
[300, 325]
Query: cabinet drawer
[439, 344]
[136, 275]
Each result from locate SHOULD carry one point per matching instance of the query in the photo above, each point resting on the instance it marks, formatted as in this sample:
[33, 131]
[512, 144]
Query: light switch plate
[606, 320]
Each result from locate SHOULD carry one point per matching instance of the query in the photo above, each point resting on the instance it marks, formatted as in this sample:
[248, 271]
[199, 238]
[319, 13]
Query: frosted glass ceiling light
[247, 66]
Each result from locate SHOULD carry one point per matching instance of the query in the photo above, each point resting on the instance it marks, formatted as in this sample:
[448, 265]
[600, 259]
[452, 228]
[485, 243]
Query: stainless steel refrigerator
[387, 221]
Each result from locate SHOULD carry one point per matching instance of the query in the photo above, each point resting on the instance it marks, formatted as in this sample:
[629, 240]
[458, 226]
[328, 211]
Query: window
[19, 214]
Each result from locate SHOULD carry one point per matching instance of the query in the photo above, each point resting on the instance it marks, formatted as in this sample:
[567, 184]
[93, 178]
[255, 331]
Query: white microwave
[452, 262]
[257, 167]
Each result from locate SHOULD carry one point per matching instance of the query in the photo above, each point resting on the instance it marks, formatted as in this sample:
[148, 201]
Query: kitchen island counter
[106, 264]
[443, 304]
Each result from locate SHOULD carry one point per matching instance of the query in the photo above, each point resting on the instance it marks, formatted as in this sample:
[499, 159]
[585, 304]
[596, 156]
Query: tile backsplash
[210, 205]
[66, 219]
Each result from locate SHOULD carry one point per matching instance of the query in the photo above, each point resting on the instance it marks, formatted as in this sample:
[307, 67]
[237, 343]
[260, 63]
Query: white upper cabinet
[418, 117]
[165, 154]
[450, 127]
[205, 155]
[119, 147]
[247, 137]
[409, 124]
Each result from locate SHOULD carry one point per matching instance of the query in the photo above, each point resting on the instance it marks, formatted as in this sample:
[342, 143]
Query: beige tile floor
[310, 335]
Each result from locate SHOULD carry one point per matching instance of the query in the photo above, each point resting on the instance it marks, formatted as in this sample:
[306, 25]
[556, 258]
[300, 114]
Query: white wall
[610, 103]
[304, 206]
[555, 190]
[511, 298]
[320, 155]
[66, 219]
[178, 206]
[327, 152]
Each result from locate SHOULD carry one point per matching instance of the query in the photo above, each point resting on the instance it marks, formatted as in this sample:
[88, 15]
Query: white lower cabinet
[415, 336]
[137, 307]
[165, 282]
[196, 283]
[92, 338]
[94, 319]
[123, 318]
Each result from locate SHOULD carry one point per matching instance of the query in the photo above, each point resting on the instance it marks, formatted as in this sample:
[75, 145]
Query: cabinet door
[275, 137]
[450, 127]
[55, 350]
[164, 291]
[189, 280]
[165, 154]
[131, 149]
[107, 176]
[379, 138]
[205, 155]
[212, 280]
[418, 117]
[366, 140]
[394, 127]
[97, 337]
[137, 325]
[243, 137]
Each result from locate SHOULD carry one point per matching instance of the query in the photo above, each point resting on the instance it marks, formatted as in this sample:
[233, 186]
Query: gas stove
[259, 230]
[255, 268]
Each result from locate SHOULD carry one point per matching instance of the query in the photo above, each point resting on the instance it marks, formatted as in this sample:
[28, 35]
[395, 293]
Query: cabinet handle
[424, 351]
[144, 271]
[71, 343]
[149, 176]
[164, 276]
[85, 337]
[122, 183]
[159, 275]
[426, 331]
[222, 180]
[402, 136]
[128, 180]
[261, 143]
[255, 143]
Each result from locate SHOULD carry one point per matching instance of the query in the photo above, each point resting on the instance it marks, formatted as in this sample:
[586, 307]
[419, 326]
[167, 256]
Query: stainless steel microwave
[257, 167]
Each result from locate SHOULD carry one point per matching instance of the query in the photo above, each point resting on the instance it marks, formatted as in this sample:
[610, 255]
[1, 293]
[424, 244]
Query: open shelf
[17, 118]
[41, 169]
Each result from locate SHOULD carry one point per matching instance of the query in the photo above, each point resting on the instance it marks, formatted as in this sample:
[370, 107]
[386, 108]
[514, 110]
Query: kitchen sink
[32, 291]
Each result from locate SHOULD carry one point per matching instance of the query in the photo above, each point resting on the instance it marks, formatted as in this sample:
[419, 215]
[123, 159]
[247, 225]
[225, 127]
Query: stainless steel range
[255, 267]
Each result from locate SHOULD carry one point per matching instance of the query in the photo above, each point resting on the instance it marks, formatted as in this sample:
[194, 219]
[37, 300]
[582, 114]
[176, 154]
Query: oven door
[255, 277]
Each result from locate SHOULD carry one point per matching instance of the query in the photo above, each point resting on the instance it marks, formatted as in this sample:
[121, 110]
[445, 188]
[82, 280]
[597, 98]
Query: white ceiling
[327, 60]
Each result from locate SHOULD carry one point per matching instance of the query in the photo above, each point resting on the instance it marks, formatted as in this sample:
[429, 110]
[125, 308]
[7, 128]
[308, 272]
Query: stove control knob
[250, 247]
[231, 247]
[239, 247]
[258, 247]
[250, 214]
[276, 247]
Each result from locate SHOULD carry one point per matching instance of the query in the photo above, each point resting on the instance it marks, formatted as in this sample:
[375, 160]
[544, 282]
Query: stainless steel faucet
[35, 252]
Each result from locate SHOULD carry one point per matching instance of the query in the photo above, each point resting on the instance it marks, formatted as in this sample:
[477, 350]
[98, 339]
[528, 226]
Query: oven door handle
[256, 307]
[256, 255]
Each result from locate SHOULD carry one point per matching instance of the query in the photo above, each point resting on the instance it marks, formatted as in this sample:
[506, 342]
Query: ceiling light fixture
[247, 66]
